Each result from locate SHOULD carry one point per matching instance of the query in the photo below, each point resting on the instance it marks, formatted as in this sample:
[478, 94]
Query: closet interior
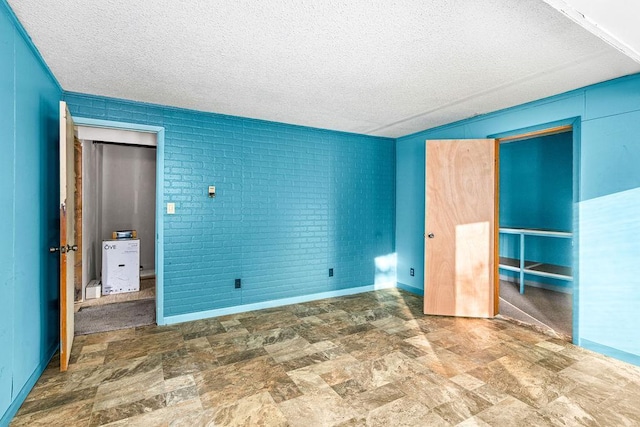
[536, 230]
[118, 240]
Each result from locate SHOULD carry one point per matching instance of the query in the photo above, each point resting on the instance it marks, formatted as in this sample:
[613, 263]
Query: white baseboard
[144, 274]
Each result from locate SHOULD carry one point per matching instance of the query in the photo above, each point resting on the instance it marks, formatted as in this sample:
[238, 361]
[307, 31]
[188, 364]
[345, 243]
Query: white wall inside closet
[119, 184]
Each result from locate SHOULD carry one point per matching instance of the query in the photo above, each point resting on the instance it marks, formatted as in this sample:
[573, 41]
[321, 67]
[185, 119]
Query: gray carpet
[110, 317]
[538, 307]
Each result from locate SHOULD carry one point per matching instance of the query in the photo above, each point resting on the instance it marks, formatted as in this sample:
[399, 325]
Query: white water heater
[120, 266]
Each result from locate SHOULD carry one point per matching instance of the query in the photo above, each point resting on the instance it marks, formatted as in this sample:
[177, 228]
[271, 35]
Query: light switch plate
[171, 208]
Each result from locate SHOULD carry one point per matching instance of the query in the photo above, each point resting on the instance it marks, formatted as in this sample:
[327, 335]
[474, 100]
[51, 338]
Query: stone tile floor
[368, 359]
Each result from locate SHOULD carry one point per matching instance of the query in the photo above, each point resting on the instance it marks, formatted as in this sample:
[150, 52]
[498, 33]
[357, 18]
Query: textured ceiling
[614, 21]
[377, 67]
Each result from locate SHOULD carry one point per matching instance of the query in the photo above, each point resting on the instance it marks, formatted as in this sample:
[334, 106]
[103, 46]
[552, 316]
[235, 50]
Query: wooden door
[67, 234]
[461, 228]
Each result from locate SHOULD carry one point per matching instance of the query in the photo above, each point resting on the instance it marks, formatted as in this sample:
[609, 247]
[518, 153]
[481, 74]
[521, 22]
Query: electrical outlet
[331, 272]
[238, 283]
[412, 272]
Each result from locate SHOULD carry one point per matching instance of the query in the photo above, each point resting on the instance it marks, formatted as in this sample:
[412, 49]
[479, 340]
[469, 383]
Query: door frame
[67, 246]
[572, 124]
[159, 241]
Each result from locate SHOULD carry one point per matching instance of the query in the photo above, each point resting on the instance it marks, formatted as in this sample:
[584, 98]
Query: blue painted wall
[536, 183]
[608, 130]
[291, 203]
[29, 321]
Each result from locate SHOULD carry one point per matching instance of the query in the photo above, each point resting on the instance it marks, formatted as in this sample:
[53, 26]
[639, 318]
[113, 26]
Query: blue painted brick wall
[291, 203]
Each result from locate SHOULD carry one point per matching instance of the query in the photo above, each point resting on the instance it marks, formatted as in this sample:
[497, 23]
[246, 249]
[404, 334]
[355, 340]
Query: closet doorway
[536, 231]
[118, 193]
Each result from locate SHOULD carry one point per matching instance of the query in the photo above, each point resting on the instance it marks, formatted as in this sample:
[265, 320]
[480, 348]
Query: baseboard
[146, 274]
[534, 284]
[24, 391]
[180, 318]
[631, 358]
[411, 289]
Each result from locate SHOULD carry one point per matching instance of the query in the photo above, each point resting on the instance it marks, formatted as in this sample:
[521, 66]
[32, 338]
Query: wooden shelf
[524, 266]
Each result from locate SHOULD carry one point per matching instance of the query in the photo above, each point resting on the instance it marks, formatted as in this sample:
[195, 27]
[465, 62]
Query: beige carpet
[112, 317]
[117, 311]
[539, 307]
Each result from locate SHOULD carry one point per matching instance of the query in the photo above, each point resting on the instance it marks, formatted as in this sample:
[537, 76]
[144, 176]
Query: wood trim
[496, 230]
[77, 268]
[536, 134]
[64, 360]
[64, 304]
[67, 207]
[425, 263]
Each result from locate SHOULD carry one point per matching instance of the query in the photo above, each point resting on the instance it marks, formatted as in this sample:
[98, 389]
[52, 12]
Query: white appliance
[120, 266]
[93, 290]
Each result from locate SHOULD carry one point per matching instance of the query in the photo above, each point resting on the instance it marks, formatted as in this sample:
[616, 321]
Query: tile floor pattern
[368, 359]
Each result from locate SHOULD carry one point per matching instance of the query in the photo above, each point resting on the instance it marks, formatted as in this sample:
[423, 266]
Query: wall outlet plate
[331, 272]
[238, 283]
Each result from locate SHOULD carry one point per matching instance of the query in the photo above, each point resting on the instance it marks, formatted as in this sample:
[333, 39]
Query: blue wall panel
[7, 220]
[36, 166]
[609, 294]
[612, 98]
[613, 155]
[29, 324]
[410, 159]
[291, 203]
[536, 183]
[609, 148]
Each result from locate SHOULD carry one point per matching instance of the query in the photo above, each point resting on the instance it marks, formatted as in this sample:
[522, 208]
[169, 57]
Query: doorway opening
[116, 274]
[536, 232]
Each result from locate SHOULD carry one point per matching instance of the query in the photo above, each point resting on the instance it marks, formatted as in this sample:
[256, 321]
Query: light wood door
[461, 230]
[67, 234]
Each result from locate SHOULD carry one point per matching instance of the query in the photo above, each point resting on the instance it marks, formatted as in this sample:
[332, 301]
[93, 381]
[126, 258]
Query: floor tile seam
[548, 409]
[67, 392]
[599, 376]
[111, 394]
[595, 408]
[529, 407]
[93, 350]
[55, 408]
[137, 417]
[125, 405]
[18, 420]
[611, 401]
